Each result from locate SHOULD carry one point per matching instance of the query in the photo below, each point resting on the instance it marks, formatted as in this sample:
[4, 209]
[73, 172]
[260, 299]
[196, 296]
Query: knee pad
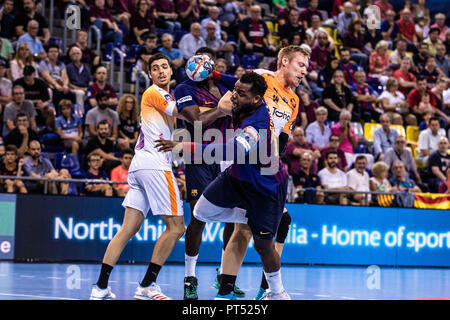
[283, 227]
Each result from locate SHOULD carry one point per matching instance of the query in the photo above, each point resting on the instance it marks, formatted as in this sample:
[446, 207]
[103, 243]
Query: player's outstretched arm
[225, 105]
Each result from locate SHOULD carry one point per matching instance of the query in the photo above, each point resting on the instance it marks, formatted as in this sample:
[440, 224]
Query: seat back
[369, 129]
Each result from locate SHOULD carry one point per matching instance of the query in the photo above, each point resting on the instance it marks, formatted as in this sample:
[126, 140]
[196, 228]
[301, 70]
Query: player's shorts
[198, 177]
[155, 190]
[227, 199]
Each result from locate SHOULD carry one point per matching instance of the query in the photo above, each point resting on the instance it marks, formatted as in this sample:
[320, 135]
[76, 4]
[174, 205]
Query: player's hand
[225, 105]
[166, 145]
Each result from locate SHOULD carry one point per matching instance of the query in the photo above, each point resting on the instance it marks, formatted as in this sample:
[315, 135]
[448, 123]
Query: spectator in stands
[400, 53]
[400, 152]
[307, 110]
[439, 19]
[100, 84]
[379, 181]
[213, 15]
[38, 166]
[353, 39]
[177, 56]
[166, 16]
[379, 62]
[428, 140]
[407, 27]
[442, 61]
[29, 13]
[283, 14]
[401, 180]
[252, 32]
[347, 137]
[437, 164]
[415, 97]
[337, 96]
[295, 148]
[240, 70]
[383, 137]
[89, 57]
[192, 41]
[321, 52]
[422, 28]
[431, 72]
[129, 122]
[440, 110]
[348, 67]
[104, 146]
[5, 85]
[318, 132]
[21, 134]
[326, 75]
[79, 76]
[121, 11]
[11, 165]
[345, 17]
[312, 33]
[18, 105]
[102, 112]
[384, 6]
[94, 161]
[54, 72]
[142, 20]
[69, 127]
[189, 11]
[36, 90]
[420, 9]
[223, 49]
[366, 98]
[420, 57]
[406, 79]
[307, 13]
[6, 49]
[7, 17]
[307, 179]
[144, 53]
[221, 65]
[101, 17]
[371, 35]
[33, 41]
[433, 40]
[22, 58]
[393, 102]
[120, 173]
[358, 180]
[333, 145]
[444, 186]
[291, 26]
[333, 179]
[390, 29]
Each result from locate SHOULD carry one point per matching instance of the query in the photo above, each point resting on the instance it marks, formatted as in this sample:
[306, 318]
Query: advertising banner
[7, 221]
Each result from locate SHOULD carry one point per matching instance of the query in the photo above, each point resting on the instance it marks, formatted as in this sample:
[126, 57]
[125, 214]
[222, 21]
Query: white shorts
[156, 190]
[206, 211]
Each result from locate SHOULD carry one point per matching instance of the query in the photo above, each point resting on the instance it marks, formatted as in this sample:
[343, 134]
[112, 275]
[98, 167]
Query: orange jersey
[157, 121]
[282, 102]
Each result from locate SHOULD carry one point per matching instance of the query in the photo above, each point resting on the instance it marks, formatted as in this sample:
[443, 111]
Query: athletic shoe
[230, 296]
[152, 292]
[190, 288]
[261, 294]
[237, 291]
[283, 295]
[101, 294]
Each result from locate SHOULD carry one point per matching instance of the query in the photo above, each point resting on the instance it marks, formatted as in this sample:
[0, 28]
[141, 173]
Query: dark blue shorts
[198, 177]
[264, 211]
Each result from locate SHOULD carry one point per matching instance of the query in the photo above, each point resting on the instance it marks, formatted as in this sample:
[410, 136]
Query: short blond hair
[288, 51]
[379, 167]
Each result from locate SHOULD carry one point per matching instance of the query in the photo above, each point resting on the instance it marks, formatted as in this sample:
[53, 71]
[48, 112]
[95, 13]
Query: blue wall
[56, 228]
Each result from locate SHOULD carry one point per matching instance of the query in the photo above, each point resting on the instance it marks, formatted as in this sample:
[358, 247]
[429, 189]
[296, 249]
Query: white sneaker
[101, 294]
[152, 292]
[283, 295]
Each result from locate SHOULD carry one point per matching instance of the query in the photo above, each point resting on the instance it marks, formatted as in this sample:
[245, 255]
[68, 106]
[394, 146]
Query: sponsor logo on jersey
[282, 115]
[184, 99]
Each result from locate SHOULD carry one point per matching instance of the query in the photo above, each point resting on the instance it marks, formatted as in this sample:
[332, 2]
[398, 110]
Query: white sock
[274, 281]
[189, 265]
[221, 263]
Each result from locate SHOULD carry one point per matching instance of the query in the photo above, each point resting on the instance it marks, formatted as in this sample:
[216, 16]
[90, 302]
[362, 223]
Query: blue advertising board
[80, 228]
[7, 222]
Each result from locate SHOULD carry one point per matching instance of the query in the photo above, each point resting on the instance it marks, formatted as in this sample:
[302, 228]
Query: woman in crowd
[23, 58]
[129, 122]
[142, 20]
[379, 181]
[337, 96]
[379, 62]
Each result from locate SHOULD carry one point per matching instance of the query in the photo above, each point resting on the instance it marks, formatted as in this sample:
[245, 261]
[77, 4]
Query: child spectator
[69, 127]
[12, 166]
[94, 161]
[120, 173]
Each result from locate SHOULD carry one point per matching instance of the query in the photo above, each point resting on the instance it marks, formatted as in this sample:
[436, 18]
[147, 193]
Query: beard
[332, 165]
[102, 106]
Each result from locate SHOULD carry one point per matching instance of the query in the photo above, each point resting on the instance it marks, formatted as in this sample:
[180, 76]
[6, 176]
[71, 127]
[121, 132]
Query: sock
[226, 284]
[102, 282]
[274, 281]
[151, 274]
[264, 283]
[189, 264]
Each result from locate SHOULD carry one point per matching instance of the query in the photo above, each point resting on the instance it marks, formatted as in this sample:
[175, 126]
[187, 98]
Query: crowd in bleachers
[374, 112]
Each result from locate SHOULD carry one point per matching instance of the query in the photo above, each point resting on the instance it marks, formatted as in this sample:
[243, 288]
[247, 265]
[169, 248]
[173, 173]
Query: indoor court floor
[72, 281]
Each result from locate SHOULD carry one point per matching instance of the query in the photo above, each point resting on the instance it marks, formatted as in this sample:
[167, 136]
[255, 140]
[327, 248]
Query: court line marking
[25, 276]
[349, 298]
[322, 295]
[34, 296]
[55, 278]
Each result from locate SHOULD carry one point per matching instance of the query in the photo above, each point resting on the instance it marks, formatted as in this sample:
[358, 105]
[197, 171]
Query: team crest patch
[194, 192]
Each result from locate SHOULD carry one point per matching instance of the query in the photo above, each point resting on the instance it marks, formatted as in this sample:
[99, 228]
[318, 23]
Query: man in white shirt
[192, 41]
[333, 179]
[358, 180]
[428, 140]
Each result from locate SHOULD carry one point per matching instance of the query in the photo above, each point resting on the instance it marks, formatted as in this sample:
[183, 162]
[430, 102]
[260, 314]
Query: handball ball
[199, 67]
